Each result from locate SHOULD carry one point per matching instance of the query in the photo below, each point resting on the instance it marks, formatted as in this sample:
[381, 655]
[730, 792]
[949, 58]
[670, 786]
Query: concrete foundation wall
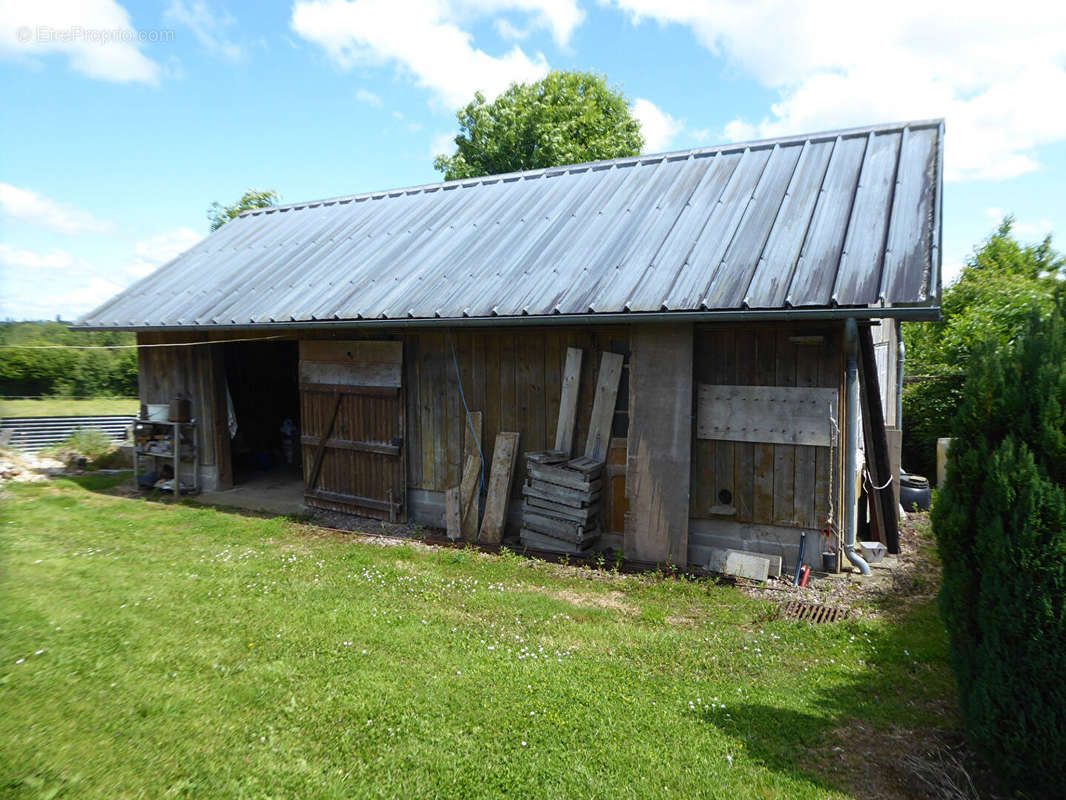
[774, 540]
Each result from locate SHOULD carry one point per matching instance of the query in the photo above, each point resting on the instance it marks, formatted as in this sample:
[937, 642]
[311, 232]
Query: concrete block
[741, 564]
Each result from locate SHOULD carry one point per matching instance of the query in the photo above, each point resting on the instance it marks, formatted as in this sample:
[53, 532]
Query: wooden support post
[564, 430]
[882, 500]
[603, 406]
[660, 443]
[895, 445]
[499, 489]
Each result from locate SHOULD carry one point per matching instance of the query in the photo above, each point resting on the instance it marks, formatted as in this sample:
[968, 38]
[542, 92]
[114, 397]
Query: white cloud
[560, 17]
[442, 144]
[993, 70]
[420, 38]
[74, 286]
[950, 270]
[96, 36]
[1025, 229]
[14, 258]
[85, 297]
[659, 128]
[27, 206]
[507, 30]
[208, 27]
[371, 99]
[153, 253]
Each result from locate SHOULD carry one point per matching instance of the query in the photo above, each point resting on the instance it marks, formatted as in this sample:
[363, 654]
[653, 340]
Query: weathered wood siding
[658, 475]
[769, 484]
[352, 424]
[514, 376]
[195, 372]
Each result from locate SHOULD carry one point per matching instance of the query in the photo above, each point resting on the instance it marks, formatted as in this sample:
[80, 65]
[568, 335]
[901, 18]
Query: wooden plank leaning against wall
[769, 484]
[514, 377]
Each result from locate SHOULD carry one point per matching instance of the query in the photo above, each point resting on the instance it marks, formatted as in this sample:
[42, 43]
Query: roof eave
[915, 313]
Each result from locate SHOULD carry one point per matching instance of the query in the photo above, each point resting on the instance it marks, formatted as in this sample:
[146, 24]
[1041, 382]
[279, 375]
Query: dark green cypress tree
[1000, 524]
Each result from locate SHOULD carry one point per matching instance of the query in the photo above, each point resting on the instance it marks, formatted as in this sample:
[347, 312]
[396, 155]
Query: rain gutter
[905, 313]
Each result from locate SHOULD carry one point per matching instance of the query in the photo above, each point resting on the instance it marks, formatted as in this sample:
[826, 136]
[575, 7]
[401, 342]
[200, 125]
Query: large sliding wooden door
[352, 413]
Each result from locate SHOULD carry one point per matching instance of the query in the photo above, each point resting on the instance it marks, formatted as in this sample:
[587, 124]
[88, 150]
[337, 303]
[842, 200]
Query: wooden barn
[717, 328]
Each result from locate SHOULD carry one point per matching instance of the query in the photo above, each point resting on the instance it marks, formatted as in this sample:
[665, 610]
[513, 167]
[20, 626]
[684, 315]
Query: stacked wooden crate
[561, 507]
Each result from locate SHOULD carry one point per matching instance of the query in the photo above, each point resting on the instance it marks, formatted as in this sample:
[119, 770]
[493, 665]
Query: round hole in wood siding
[725, 497]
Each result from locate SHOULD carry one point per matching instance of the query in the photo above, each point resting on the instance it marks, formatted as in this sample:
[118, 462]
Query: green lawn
[59, 407]
[151, 650]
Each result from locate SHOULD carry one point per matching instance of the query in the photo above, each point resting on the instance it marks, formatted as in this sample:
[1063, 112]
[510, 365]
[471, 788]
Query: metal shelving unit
[174, 442]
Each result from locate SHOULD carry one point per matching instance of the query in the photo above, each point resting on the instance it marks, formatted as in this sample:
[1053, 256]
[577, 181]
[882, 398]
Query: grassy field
[59, 407]
[151, 650]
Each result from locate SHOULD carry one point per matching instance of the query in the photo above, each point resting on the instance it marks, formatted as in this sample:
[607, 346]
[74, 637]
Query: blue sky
[121, 123]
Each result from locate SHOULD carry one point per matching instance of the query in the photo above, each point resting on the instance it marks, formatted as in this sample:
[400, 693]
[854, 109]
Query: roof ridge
[648, 158]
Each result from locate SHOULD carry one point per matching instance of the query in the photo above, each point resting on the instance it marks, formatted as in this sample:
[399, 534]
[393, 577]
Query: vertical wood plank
[702, 480]
[564, 430]
[583, 340]
[508, 421]
[473, 440]
[503, 460]
[660, 443]
[784, 454]
[413, 433]
[476, 397]
[452, 519]
[468, 497]
[493, 395]
[724, 375]
[553, 379]
[603, 406]
[454, 415]
[807, 358]
[427, 393]
[744, 452]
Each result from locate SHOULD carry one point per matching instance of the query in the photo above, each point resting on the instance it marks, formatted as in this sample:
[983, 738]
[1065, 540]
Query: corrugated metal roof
[847, 218]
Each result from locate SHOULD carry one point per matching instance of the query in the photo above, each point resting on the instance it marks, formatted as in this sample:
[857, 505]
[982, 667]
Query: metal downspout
[901, 359]
[851, 446]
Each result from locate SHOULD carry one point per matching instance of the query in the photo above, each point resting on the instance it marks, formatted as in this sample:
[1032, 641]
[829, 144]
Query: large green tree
[565, 118]
[1000, 524]
[253, 198]
[990, 302]
[992, 297]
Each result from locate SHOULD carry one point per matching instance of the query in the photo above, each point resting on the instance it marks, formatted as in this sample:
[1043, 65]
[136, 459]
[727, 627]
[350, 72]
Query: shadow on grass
[853, 736]
[102, 482]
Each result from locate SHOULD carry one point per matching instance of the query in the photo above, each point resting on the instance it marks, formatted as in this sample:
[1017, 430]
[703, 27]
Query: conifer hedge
[1000, 525]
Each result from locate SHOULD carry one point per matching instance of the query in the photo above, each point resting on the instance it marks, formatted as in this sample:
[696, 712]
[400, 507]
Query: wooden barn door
[351, 408]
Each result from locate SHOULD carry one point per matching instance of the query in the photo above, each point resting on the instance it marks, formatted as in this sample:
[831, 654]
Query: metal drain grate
[811, 612]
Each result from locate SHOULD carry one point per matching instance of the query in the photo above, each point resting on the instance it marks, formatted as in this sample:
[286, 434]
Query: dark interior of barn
[263, 382]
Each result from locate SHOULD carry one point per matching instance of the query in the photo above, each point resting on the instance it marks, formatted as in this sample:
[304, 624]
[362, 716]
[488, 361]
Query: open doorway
[263, 382]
